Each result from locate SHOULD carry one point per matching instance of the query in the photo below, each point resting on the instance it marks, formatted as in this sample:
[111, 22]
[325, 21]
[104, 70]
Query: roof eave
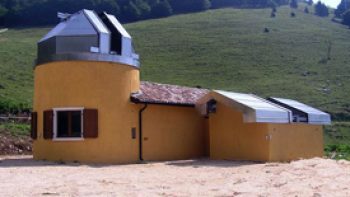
[138, 101]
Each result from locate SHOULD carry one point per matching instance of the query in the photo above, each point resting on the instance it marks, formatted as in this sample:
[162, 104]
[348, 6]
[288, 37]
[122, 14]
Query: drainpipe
[140, 131]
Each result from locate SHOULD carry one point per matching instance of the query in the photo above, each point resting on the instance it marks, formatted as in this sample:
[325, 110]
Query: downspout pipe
[140, 131]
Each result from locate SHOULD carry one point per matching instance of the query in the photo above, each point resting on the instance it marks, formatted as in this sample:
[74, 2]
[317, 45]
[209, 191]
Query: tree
[223, 3]
[109, 6]
[183, 6]
[310, 2]
[274, 10]
[273, 5]
[293, 4]
[144, 8]
[282, 2]
[3, 11]
[321, 10]
[204, 4]
[258, 3]
[273, 14]
[131, 12]
[152, 3]
[342, 7]
[346, 18]
[199, 5]
[43, 12]
[162, 9]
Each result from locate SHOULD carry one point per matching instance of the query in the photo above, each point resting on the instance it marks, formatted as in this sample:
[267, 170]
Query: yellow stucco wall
[172, 133]
[206, 137]
[104, 86]
[232, 139]
[294, 141]
[169, 132]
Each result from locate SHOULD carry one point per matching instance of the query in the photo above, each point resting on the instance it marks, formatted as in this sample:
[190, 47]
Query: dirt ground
[21, 176]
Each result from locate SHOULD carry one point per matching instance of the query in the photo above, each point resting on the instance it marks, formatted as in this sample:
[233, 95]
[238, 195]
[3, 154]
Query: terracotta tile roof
[167, 94]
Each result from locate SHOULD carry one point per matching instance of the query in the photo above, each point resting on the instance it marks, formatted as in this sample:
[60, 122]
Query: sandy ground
[21, 176]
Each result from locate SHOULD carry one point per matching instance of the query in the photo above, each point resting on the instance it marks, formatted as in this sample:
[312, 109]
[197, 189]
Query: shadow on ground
[210, 163]
[28, 161]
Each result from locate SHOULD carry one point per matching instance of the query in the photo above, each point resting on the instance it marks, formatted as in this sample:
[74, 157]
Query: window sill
[63, 139]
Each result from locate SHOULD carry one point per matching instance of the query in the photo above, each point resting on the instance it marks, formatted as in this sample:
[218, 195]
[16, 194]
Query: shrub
[338, 151]
[346, 18]
[162, 9]
[3, 11]
[310, 2]
[321, 10]
[185, 6]
[273, 15]
[293, 4]
[342, 8]
[274, 9]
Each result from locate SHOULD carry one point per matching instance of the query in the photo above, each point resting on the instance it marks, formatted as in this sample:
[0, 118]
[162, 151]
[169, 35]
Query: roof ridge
[181, 86]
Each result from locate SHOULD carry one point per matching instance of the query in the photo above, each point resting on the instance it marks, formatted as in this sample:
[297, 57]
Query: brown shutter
[90, 123]
[48, 124]
[34, 126]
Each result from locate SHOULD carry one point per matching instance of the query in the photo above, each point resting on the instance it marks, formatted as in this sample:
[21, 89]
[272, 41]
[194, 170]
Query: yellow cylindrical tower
[96, 85]
[83, 81]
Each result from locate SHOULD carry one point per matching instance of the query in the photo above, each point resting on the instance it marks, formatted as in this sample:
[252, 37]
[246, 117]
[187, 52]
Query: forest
[44, 12]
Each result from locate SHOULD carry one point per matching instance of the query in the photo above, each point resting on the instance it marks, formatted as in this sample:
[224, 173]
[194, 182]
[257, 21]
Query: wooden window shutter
[90, 123]
[34, 126]
[48, 124]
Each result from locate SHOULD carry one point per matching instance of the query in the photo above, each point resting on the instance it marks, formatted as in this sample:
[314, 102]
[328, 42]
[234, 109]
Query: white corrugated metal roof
[117, 25]
[256, 109]
[77, 24]
[81, 23]
[95, 20]
[315, 116]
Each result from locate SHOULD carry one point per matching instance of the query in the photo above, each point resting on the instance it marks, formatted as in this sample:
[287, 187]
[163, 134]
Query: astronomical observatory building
[90, 106]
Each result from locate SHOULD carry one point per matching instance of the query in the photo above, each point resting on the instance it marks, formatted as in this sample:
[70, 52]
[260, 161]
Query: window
[68, 123]
[211, 106]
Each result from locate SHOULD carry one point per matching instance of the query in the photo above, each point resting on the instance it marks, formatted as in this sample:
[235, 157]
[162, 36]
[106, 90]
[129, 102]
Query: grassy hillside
[220, 49]
[17, 54]
[228, 49]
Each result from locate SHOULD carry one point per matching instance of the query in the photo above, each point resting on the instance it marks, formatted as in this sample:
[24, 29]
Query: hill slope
[220, 49]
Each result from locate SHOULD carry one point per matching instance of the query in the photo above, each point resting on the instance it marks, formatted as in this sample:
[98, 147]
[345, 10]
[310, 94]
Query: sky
[331, 3]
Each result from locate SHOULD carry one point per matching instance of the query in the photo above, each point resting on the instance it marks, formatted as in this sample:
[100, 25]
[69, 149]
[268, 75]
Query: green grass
[17, 54]
[337, 133]
[337, 140]
[220, 49]
[338, 151]
[227, 49]
[15, 129]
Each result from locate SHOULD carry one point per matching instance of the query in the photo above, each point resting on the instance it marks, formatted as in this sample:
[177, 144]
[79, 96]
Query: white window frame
[55, 110]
